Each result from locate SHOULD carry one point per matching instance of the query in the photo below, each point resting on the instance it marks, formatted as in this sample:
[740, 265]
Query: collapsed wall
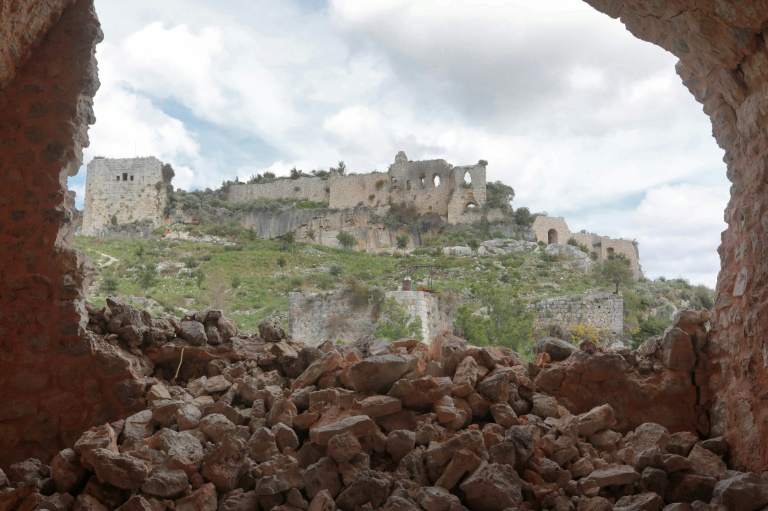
[600, 310]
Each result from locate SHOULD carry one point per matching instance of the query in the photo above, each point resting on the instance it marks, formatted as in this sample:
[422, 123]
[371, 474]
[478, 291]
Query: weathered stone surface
[743, 492]
[556, 348]
[421, 392]
[119, 470]
[66, 471]
[597, 419]
[202, 499]
[492, 487]
[166, 483]
[271, 330]
[612, 476]
[358, 425]
[379, 373]
[677, 350]
[193, 332]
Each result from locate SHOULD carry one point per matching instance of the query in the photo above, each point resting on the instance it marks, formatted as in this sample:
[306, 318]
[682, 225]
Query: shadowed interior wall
[49, 383]
[724, 63]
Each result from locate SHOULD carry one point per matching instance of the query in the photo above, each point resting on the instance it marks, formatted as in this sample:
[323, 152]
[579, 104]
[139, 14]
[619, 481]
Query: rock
[66, 471]
[216, 426]
[193, 332]
[98, 437]
[377, 406]
[716, 445]
[743, 492]
[279, 474]
[358, 425]
[492, 487]
[643, 502]
[400, 442]
[271, 330]
[421, 392]
[343, 447]
[495, 387]
[465, 377]
[320, 477]
[706, 462]
[599, 418]
[613, 476]
[166, 483]
[202, 499]
[379, 373]
[435, 498]
[316, 369]
[369, 487]
[545, 406]
[557, 349]
[119, 470]
[686, 487]
[677, 350]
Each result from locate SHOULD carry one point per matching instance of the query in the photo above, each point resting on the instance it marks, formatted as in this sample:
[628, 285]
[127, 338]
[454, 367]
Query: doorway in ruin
[552, 237]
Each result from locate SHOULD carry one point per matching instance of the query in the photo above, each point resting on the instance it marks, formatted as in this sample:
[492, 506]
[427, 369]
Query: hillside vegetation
[229, 268]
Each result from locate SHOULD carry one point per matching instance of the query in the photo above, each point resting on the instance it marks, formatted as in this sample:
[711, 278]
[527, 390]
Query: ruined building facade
[550, 229]
[433, 186]
[123, 191]
[56, 380]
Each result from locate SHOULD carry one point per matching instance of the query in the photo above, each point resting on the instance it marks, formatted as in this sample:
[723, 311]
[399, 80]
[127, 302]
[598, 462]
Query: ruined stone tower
[122, 191]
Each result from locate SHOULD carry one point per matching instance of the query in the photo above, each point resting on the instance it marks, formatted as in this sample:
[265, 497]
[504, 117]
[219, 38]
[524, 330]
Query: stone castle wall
[549, 229]
[433, 186]
[319, 317]
[128, 189]
[356, 189]
[304, 188]
[604, 311]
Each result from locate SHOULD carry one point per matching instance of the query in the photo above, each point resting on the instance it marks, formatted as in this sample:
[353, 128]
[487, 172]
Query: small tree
[311, 234]
[523, 217]
[473, 244]
[396, 323]
[110, 285]
[286, 241]
[402, 242]
[147, 276]
[346, 239]
[615, 271]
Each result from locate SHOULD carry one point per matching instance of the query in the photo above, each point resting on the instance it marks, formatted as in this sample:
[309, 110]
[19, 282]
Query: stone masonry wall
[600, 246]
[724, 63]
[604, 311]
[128, 189]
[319, 317]
[433, 186]
[305, 188]
[54, 381]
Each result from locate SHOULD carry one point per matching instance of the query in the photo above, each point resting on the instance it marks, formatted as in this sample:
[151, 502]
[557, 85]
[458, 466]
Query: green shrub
[346, 240]
[396, 323]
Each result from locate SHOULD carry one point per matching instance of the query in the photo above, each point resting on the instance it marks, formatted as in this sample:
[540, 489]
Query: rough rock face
[723, 62]
[255, 423]
[47, 81]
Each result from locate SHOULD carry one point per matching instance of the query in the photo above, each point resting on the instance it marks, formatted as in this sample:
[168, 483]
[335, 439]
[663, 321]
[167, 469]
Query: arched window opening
[552, 237]
[470, 205]
[467, 178]
[436, 180]
[422, 179]
[610, 251]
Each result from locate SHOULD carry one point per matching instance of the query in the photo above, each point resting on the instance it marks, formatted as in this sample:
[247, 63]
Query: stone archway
[552, 237]
[46, 357]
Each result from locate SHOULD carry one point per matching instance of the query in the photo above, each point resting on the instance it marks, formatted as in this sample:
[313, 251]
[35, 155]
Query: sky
[583, 120]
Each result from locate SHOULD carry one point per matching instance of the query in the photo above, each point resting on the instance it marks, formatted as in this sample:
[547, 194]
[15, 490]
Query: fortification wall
[554, 230]
[128, 189]
[305, 188]
[350, 191]
[604, 311]
[318, 317]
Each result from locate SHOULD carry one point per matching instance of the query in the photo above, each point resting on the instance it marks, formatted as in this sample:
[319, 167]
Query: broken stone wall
[724, 63]
[305, 188]
[604, 311]
[51, 381]
[318, 317]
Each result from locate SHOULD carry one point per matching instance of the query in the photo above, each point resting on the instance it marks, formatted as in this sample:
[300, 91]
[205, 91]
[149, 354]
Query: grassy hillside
[227, 268]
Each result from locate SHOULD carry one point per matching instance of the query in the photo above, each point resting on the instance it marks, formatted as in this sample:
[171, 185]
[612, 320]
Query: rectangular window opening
[117, 178]
[125, 176]
[131, 178]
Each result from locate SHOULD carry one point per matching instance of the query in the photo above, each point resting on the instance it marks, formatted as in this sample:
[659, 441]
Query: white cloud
[566, 106]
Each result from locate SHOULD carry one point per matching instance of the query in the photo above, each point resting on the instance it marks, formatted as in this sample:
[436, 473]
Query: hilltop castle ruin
[433, 186]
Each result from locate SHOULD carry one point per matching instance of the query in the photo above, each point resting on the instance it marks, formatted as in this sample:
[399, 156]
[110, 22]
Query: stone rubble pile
[372, 426]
